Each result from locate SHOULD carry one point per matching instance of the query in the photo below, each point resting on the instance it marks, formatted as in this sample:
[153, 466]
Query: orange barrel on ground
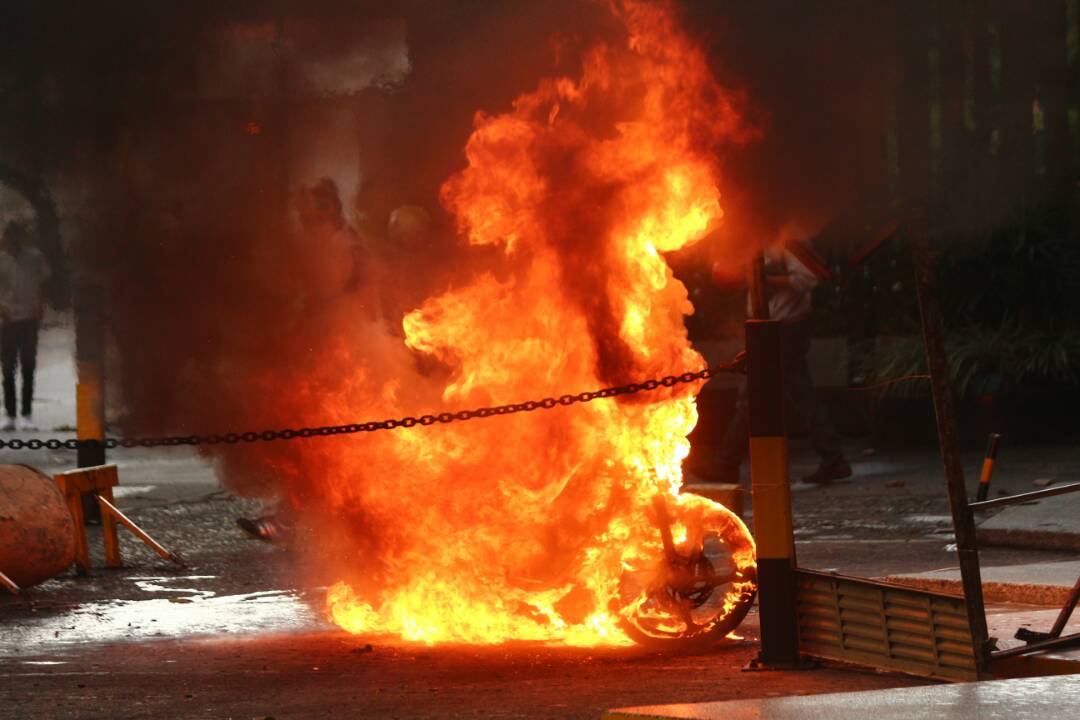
[37, 534]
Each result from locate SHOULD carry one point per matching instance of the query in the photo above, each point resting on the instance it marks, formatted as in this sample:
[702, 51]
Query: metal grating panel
[884, 626]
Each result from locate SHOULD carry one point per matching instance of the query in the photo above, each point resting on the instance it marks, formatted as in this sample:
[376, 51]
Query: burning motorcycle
[702, 586]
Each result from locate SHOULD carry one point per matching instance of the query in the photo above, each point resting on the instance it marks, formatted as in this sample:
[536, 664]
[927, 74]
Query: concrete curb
[1034, 539]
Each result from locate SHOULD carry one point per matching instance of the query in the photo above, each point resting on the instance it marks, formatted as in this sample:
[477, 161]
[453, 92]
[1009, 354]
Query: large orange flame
[521, 527]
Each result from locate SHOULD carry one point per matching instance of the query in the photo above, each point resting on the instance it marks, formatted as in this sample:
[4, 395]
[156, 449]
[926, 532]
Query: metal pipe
[967, 548]
[1033, 636]
[1025, 497]
[1052, 644]
[1066, 610]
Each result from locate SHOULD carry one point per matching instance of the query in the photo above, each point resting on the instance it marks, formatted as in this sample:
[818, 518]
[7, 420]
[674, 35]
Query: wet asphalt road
[240, 632]
[238, 635]
[337, 676]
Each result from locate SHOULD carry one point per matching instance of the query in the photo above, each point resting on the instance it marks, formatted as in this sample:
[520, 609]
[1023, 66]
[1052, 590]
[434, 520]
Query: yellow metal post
[988, 466]
[90, 383]
[771, 496]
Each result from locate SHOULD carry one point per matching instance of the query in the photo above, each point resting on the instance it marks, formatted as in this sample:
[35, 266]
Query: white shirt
[789, 303]
[22, 280]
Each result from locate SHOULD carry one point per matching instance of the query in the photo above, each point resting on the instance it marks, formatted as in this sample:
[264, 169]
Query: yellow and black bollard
[988, 466]
[772, 497]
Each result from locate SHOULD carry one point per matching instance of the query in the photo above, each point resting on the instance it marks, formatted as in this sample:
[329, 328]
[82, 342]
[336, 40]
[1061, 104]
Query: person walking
[789, 286]
[23, 273]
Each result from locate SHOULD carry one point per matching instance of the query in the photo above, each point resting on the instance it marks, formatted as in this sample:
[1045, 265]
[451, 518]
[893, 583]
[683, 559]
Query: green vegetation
[1011, 302]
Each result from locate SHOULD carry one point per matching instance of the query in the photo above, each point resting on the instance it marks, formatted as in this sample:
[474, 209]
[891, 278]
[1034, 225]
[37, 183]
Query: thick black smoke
[260, 198]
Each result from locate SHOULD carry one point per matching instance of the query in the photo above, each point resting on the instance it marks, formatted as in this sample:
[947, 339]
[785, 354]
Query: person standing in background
[789, 286]
[23, 273]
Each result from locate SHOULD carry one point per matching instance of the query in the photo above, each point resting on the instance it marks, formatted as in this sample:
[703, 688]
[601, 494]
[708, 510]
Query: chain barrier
[737, 365]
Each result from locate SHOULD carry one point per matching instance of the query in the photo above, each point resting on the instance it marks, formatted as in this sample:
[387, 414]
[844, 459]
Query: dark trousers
[795, 340]
[18, 348]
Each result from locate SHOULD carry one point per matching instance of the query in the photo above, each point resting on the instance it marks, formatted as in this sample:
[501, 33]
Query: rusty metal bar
[937, 363]
[1024, 497]
[1033, 636]
[1066, 610]
[123, 519]
[1051, 644]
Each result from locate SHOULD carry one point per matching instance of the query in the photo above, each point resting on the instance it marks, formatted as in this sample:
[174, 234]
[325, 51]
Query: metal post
[988, 466]
[963, 518]
[1066, 610]
[772, 497]
[90, 383]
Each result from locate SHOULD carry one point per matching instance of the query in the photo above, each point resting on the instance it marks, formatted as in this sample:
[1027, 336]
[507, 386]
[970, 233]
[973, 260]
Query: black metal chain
[737, 365]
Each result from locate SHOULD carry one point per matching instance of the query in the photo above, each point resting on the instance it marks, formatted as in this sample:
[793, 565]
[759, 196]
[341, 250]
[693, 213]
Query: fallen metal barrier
[865, 622]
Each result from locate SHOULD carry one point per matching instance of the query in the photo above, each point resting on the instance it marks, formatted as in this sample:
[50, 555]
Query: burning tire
[700, 589]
